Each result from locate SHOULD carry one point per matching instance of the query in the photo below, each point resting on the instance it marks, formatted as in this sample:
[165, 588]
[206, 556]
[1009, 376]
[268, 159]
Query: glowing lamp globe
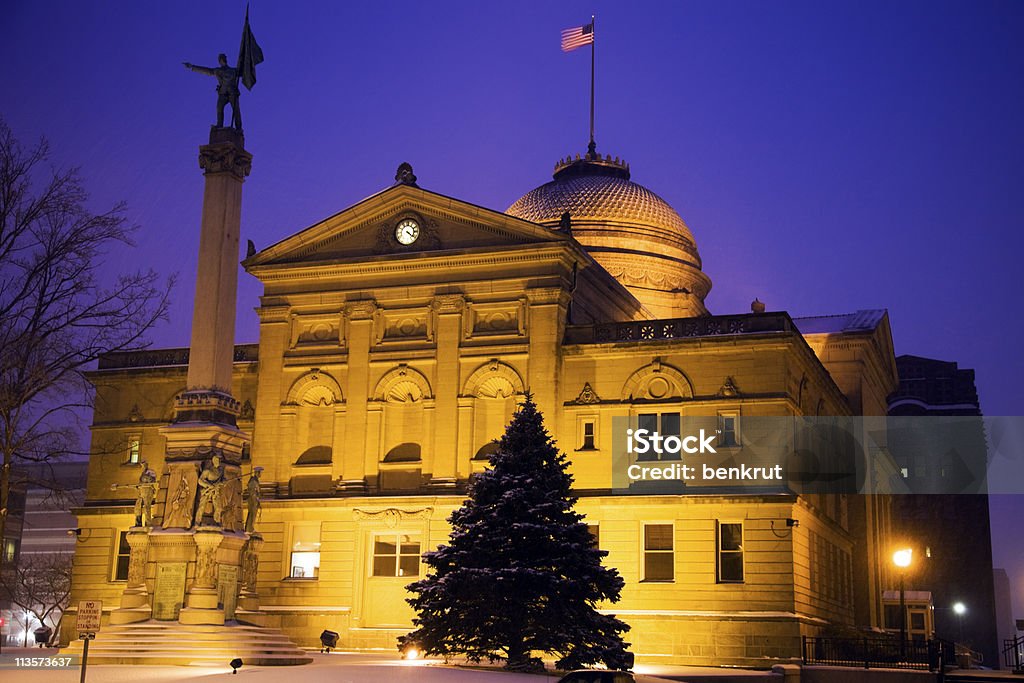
[901, 558]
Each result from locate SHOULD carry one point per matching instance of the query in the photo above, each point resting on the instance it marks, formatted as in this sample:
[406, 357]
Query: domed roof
[599, 190]
[631, 232]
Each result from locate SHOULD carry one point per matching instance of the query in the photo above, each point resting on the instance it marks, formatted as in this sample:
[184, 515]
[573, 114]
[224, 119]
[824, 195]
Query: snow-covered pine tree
[521, 573]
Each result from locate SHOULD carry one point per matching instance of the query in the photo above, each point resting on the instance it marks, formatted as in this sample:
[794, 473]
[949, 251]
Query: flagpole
[592, 147]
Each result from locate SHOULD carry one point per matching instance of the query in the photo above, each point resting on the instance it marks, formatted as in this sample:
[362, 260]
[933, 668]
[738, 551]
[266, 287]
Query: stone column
[135, 599]
[360, 315]
[201, 604]
[249, 599]
[448, 308]
[225, 164]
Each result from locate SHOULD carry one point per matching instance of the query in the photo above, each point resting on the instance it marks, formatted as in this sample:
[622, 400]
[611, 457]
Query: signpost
[88, 623]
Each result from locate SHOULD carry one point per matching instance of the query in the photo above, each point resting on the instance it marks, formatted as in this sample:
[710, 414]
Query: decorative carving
[448, 303]
[657, 381]
[404, 175]
[247, 412]
[728, 388]
[402, 385]
[225, 157]
[494, 379]
[361, 310]
[251, 564]
[587, 395]
[135, 415]
[392, 517]
[181, 497]
[138, 542]
[206, 559]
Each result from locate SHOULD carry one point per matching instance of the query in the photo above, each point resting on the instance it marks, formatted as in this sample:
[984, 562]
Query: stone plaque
[227, 588]
[170, 590]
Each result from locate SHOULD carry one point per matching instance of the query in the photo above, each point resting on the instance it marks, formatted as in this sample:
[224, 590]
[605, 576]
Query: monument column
[201, 492]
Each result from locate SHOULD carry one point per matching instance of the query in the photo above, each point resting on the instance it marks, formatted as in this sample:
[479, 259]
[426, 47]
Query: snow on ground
[333, 668]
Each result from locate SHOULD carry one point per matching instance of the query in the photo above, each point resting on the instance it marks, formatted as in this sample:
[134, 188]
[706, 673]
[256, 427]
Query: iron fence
[878, 653]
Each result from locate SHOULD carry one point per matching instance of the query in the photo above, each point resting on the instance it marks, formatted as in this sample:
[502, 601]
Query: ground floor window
[396, 555]
[659, 555]
[730, 552]
[122, 557]
[305, 554]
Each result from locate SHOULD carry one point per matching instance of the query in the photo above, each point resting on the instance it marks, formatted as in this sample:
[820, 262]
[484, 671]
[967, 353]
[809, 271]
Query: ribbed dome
[631, 231]
[604, 198]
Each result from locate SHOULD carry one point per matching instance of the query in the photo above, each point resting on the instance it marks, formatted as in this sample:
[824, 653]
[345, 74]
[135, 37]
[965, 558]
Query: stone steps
[161, 642]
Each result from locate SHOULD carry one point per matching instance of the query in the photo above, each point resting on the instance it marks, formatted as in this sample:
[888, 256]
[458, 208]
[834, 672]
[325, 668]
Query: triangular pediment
[368, 229]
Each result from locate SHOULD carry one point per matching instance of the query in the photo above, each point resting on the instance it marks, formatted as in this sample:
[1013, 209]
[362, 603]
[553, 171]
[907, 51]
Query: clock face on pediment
[407, 231]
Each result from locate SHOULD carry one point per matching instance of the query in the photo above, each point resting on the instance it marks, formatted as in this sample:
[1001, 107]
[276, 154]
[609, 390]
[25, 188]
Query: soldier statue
[211, 481]
[253, 504]
[145, 493]
[227, 88]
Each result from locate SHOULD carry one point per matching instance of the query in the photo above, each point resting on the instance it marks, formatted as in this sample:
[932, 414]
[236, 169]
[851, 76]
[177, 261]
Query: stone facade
[383, 372]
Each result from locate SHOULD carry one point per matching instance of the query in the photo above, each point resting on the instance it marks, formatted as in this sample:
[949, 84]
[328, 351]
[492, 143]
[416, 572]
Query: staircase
[169, 642]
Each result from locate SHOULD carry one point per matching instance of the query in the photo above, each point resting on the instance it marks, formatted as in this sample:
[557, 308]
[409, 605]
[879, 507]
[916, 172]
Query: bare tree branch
[60, 309]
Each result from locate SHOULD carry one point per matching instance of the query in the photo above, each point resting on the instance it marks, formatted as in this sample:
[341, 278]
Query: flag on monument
[249, 55]
[578, 36]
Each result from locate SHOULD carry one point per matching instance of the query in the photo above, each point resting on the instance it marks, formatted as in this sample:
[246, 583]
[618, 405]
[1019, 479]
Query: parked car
[597, 676]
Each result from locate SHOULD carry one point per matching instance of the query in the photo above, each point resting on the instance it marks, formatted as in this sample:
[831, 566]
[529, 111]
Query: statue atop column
[249, 55]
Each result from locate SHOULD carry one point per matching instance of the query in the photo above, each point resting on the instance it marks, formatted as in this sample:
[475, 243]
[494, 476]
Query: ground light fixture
[236, 664]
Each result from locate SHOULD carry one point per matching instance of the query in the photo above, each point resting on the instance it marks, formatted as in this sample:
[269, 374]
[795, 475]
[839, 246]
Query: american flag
[578, 36]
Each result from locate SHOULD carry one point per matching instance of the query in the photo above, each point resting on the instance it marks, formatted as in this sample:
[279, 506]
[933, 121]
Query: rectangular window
[595, 534]
[659, 558]
[134, 444]
[396, 555]
[122, 556]
[305, 551]
[589, 443]
[665, 424]
[730, 553]
[728, 428]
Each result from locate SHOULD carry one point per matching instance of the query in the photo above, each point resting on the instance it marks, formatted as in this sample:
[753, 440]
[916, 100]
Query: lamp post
[959, 609]
[901, 558]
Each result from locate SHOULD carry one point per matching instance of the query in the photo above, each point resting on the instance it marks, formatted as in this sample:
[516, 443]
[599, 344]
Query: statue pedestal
[201, 605]
[135, 604]
[249, 599]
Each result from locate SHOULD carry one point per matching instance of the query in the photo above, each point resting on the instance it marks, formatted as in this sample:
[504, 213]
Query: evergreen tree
[521, 573]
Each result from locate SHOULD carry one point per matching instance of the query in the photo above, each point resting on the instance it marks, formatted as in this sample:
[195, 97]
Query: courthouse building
[396, 338]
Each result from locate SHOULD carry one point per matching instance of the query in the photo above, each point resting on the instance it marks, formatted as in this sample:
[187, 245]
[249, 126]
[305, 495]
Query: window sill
[588, 450]
[301, 579]
[657, 580]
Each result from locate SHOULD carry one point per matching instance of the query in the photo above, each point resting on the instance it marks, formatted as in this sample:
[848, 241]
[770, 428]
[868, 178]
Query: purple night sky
[827, 156]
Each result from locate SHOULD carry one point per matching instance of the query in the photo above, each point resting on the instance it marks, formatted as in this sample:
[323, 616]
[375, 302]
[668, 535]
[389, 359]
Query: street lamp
[901, 558]
[959, 609]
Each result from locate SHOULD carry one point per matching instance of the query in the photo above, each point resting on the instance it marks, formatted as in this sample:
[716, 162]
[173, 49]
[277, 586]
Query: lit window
[589, 443]
[122, 557]
[905, 472]
[659, 558]
[728, 429]
[9, 548]
[396, 555]
[730, 553]
[133, 450]
[305, 555]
